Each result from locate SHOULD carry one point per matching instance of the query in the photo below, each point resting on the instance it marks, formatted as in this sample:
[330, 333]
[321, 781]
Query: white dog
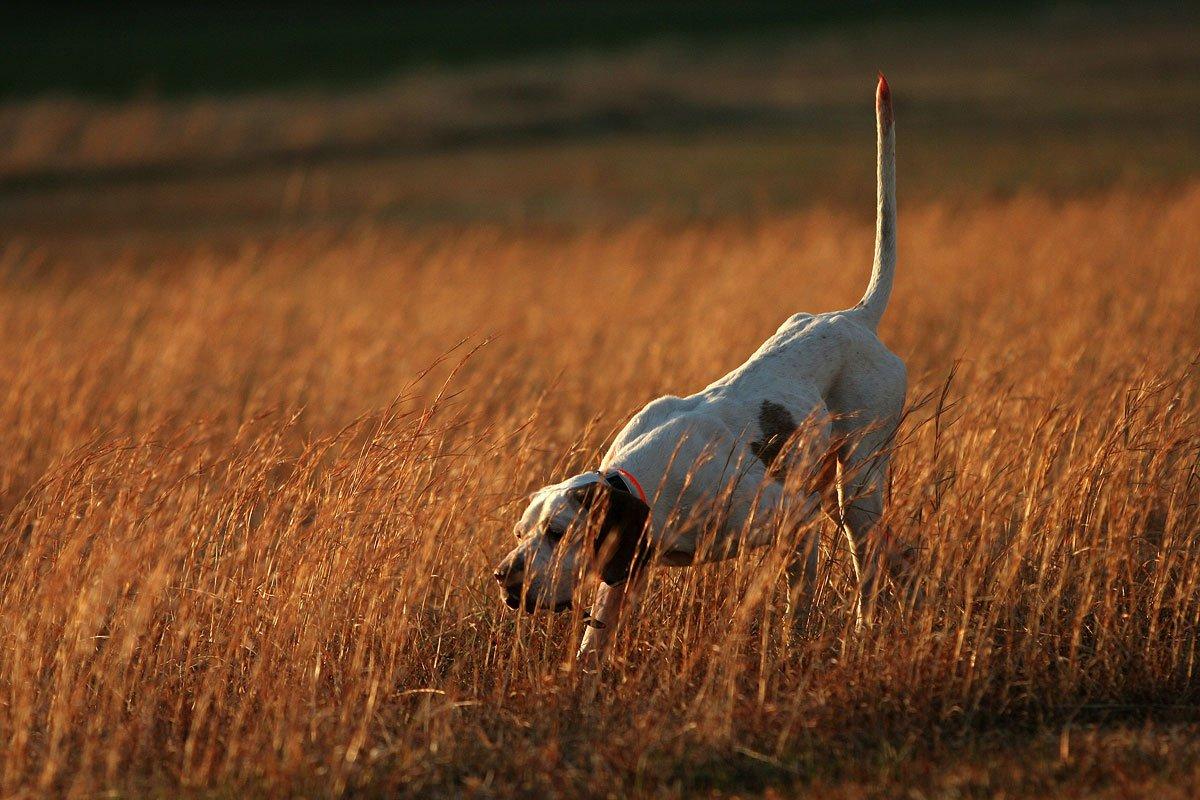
[697, 478]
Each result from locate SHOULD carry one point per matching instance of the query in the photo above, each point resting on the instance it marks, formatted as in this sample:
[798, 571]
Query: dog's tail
[870, 309]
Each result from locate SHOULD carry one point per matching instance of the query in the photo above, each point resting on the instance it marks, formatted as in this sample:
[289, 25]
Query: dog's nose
[510, 572]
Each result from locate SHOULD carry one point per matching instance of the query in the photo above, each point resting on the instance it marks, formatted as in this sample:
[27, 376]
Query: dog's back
[819, 368]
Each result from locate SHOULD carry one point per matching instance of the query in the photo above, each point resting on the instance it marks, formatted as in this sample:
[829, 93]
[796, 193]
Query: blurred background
[135, 125]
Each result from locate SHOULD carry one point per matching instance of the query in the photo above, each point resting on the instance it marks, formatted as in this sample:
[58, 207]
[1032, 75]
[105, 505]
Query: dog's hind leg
[803, 566]
[861, 492]
[818, 458]
[802, 576]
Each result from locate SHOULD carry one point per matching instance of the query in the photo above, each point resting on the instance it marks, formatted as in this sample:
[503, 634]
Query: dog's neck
[636, 472]
[624, 480]
[618, 478]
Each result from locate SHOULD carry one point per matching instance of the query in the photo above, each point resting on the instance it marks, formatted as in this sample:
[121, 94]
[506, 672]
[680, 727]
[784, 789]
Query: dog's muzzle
[510, 575]
[512, 599]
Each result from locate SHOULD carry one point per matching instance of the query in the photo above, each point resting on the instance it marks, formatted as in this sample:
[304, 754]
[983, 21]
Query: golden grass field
[254, 480]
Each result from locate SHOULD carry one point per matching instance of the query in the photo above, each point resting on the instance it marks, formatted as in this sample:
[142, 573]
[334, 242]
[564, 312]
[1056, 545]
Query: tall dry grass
[251, 498]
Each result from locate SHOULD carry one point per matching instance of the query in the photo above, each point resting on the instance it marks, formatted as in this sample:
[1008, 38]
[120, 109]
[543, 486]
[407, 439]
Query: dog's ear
[621, 536]
[586, 495]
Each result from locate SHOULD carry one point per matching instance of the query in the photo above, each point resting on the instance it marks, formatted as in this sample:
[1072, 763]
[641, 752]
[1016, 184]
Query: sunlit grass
[251, 500]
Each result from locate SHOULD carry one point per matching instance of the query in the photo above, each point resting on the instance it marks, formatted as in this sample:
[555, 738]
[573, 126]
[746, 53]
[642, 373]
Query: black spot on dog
[777, 425]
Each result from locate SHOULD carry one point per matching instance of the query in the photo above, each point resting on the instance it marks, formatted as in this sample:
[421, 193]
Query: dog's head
[582, 524]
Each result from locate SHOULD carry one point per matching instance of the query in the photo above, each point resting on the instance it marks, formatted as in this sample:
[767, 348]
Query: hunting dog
[698, 478]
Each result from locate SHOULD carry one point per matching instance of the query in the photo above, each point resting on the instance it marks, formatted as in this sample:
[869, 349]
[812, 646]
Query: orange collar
[631, 481]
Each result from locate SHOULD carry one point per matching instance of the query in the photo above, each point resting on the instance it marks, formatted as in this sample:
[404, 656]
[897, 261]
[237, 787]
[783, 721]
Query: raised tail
[870, 309]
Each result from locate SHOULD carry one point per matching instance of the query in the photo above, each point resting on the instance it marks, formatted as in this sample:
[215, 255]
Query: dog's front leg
[604, 617]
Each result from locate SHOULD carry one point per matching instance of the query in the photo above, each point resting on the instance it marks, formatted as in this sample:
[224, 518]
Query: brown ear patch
[585, 495]
[777, 425]
[621, 537]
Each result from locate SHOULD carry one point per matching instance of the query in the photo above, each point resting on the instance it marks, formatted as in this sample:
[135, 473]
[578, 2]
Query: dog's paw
[588, 660]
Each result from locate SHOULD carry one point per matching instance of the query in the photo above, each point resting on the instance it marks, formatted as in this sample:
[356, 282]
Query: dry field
[251, 500]
[254, 479]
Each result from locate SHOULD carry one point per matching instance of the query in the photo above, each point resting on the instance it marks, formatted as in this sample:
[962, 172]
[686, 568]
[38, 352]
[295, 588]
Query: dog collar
[624, 480]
